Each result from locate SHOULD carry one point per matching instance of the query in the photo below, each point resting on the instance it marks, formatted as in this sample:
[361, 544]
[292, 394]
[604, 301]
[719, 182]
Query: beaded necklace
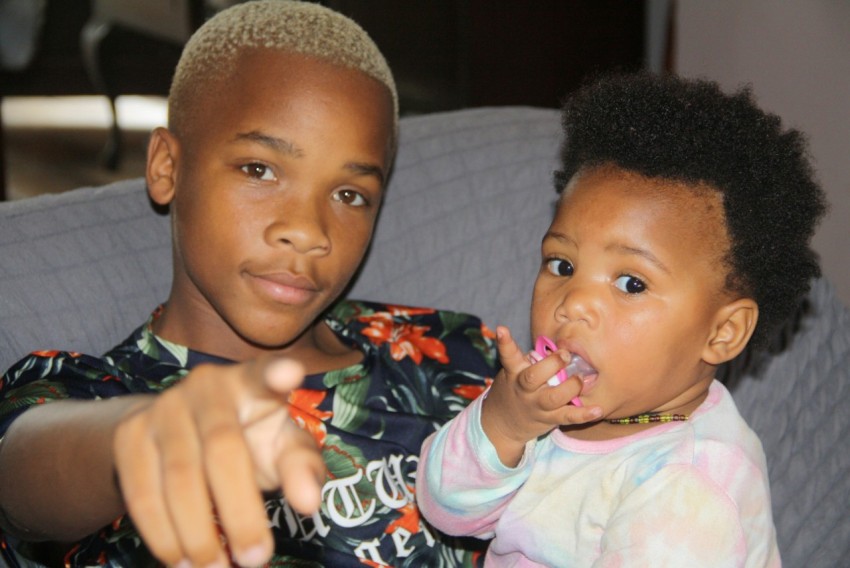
[649, 418]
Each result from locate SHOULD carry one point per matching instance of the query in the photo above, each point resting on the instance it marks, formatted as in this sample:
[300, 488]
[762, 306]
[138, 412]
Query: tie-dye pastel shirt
[692, 493]
[420, 368]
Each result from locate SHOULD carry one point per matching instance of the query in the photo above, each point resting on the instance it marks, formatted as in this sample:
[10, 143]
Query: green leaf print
[148, 345]
[345, 461]
[179, 352]
[352, 385]
[347, 310]
[30, 394]
[485, 346]
[450, 321]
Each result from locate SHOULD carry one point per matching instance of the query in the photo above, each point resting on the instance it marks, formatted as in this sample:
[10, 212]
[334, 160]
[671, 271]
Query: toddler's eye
[559, 267]
[258, 171]
[630, 284]
[350, 197]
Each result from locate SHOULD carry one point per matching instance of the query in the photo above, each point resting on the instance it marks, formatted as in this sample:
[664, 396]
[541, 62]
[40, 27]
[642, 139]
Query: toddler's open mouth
[577, 366]
[580, 367]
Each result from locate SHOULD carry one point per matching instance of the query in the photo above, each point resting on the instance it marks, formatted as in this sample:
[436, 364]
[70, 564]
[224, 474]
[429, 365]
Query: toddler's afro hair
[688, 130]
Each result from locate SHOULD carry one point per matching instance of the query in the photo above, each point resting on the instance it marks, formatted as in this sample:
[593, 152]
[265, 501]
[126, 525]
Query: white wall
[796, 55]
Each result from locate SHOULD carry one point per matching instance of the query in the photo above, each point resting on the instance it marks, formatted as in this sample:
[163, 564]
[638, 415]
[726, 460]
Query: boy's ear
[733, 327]
[161, 171]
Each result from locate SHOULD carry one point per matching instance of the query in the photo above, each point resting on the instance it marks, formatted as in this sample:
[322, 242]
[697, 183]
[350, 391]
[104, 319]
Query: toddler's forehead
[676, 193]
[691, 211]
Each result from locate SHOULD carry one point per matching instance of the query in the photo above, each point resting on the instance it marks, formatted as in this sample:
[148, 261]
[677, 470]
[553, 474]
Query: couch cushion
[79, 270]
[468, 204]
[797, 401]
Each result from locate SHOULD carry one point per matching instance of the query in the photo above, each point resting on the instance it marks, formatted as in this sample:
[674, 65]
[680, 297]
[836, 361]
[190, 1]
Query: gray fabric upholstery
[469, 200]
[79, 270]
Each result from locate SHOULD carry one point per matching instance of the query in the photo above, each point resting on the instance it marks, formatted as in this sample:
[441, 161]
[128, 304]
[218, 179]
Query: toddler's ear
[733, 326]
[161, 167]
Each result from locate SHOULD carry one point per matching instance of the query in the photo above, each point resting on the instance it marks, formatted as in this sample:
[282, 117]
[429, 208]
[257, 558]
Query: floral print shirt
[420, 368]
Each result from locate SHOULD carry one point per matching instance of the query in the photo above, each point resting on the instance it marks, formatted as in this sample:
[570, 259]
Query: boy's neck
[318, 348]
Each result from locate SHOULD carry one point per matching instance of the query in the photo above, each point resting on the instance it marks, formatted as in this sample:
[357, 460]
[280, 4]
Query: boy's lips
[285, 287]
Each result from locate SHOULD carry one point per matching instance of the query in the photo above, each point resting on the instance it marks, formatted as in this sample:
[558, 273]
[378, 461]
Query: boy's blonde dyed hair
[283, 25]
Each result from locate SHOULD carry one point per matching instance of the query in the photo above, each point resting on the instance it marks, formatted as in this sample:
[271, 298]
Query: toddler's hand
[199, 455]
[521, 406]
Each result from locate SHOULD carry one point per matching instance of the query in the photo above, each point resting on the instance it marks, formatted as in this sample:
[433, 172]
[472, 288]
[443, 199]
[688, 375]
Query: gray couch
[468, 202]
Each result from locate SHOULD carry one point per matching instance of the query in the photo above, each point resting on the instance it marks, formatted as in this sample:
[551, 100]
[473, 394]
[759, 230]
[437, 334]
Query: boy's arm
[212, 442]
[57, 458]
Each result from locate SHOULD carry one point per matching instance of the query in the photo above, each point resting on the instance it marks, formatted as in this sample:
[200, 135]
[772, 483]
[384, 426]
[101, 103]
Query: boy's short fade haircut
[688, 130]
[283, 25]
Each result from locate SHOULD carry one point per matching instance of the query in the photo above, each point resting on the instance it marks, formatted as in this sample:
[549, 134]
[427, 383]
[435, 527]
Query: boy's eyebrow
[615, 247]
[287, 147]
[279, 144]
[365, 169]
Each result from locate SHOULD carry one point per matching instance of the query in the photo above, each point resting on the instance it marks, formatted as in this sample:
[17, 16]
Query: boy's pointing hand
[192, 462]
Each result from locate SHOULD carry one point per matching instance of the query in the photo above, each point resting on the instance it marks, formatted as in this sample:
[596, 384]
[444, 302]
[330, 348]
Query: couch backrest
[469, 200]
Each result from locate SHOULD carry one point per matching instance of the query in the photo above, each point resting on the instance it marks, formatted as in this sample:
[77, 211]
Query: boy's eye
[350, 197]
[559, 267]
[630, 284]
[258, 171]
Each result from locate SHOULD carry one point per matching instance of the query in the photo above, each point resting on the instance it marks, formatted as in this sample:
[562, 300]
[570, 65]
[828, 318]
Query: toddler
[681, 236]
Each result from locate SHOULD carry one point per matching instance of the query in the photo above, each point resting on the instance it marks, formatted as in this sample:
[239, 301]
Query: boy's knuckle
[220, 441]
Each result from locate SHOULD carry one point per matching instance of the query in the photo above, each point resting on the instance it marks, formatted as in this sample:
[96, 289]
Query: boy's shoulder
[441, 335]
[353, 312]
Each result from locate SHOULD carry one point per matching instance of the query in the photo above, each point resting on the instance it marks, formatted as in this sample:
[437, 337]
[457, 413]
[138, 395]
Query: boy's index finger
[262, 386]
[283, 375]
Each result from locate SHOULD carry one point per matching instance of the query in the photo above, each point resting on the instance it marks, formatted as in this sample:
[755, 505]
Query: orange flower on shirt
[53, 353]
[405, 339]
[304, 410]
[372, 563]
[486, 332]
[471, 392]
[409, 520]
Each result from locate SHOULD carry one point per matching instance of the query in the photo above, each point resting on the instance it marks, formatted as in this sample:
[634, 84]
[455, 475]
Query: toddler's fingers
[510, 354]
[554, 397]
[569, 415]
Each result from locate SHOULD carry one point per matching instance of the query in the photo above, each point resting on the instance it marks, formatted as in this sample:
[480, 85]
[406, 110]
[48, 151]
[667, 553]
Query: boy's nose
[300, 225]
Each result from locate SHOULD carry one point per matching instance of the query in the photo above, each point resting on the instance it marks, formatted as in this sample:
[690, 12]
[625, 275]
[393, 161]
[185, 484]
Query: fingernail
[254, 556]
[596, 412]
[534, 356]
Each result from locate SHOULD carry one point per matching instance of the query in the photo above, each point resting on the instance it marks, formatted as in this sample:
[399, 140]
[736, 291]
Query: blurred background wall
[796, 56]
[446, 54]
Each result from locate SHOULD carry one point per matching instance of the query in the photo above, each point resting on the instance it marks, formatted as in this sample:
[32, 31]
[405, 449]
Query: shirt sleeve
[45, 376]
[462, 487]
